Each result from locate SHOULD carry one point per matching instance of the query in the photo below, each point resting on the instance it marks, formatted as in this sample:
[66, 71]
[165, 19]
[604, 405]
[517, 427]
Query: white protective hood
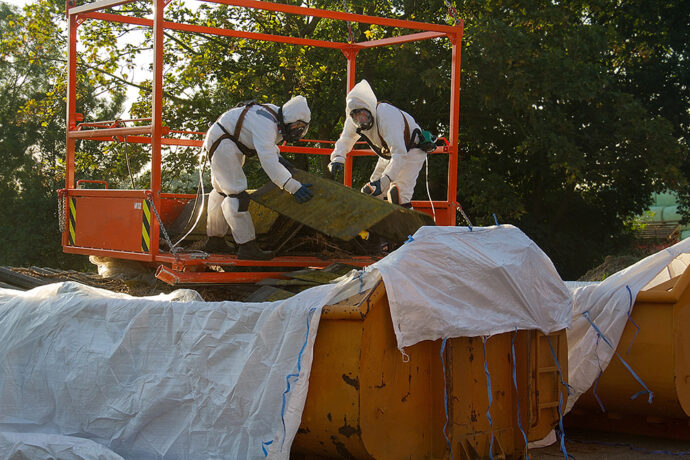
[361, 96]
[607, 304]
[296, 109]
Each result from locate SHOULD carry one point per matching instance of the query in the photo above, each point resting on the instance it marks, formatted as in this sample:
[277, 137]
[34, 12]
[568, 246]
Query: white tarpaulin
[37, 446]
[159, 377]
[606, 305]
[457, 282]
[177, 378]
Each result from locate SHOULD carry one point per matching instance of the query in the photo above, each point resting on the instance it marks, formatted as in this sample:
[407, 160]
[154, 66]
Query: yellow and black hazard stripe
[146, 226]
[72, 221]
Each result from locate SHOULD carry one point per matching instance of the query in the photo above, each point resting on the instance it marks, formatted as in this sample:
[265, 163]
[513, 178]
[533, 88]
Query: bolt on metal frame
[96, 201]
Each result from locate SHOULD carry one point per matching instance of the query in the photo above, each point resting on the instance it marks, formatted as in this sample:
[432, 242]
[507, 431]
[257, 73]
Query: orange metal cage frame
[110, 219]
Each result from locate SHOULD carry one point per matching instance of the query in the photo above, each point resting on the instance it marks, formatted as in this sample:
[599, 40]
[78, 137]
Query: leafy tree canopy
[572, 112]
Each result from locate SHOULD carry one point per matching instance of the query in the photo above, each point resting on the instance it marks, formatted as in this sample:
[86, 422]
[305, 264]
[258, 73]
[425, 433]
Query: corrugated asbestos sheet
[342, 212]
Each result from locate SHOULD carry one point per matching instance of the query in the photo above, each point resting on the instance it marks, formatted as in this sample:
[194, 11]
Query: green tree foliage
[572, 112]
[557, 137]
[32, 133]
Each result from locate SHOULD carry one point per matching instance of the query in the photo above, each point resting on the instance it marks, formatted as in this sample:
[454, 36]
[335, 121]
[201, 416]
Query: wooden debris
[20, 280]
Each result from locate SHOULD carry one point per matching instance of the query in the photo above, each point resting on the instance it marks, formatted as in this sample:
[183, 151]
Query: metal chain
[61, 212]
[451, 11]
[162, 227]
[467, 219]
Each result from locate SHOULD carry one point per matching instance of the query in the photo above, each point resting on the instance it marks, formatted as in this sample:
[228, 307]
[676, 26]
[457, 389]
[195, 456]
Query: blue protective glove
[372, 188]
[303, 194]
[336, 168]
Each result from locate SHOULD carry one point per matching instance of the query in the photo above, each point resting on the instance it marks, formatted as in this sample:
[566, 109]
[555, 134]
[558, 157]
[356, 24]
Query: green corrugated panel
[342, 212]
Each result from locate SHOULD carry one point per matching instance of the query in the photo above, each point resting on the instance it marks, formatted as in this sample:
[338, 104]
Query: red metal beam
[189, 260]
[109, 132]
[100, 5]
[106, 193]
[254, 35]
[140, 256]
[216, 31]
[401, 39]
[173, 277]
[303, 11]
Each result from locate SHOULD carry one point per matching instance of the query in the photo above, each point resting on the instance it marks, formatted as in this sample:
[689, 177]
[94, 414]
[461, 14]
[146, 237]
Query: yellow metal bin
[660, 356]
[366, 401]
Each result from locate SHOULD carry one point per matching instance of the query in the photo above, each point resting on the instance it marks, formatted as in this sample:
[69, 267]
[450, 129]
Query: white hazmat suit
[398, 175]
[259, 132]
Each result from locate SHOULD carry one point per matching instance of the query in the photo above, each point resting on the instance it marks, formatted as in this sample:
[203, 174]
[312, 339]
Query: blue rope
[287, 380]
[445, 398]
[491, 399]
[517, 398]
[560, 398]
[497, 225]
[632, 372]
[409, 239]
[630, 319]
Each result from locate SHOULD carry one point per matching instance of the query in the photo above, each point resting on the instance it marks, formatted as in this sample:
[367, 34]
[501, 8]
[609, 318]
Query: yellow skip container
[660, 356]
[366, 401]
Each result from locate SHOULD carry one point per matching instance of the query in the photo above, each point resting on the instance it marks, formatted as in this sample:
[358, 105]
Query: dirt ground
[596, 445]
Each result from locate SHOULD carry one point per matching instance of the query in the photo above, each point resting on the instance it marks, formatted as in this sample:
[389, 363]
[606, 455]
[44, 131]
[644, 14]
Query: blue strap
[445, 398]
[594, 391]
[491, 399]
[560, 398]
[630, 319]
[497, 225]
[287, 381]
[264, 445]
[568, 388]
[632, 372]
[517, 397]
[361, 282]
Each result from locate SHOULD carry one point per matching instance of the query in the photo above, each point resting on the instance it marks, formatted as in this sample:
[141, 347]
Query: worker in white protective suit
[252, 129]
[393, 135]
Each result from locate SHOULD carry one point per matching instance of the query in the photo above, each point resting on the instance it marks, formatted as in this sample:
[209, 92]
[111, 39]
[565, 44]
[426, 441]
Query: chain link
[350, 35]
[61, 212]
[162, 227]
[451, 11]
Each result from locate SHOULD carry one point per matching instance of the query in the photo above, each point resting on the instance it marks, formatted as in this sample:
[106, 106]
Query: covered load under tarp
[174, 377]
[601, 310]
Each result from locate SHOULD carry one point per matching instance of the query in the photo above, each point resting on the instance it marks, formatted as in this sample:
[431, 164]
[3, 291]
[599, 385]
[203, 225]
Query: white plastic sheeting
[457, 282]
[160, 377]
[36, 446]
[177, 378]
[607, 304]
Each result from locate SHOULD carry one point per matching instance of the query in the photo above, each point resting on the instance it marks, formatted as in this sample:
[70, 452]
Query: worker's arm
[346, 142]
[392, 130]
[269, 157]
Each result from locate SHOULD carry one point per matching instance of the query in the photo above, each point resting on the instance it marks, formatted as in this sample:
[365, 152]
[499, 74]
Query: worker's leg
[402, 186]
[376, 175]
[216, 226]
[227, 177]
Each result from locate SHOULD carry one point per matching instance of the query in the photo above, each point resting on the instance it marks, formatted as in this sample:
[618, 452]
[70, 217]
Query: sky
[19, 3]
